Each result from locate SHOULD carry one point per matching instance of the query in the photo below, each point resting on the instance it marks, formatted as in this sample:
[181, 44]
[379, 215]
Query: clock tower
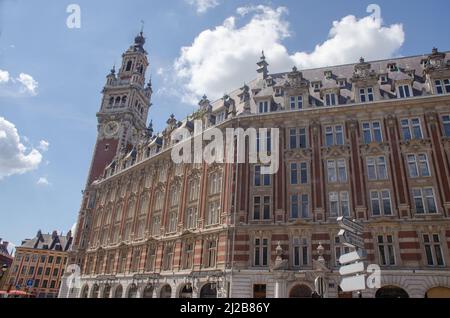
[124, 108]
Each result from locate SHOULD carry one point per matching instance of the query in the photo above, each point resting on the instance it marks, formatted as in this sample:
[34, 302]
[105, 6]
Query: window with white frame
[331, 99]
[442, 86]
[156, 225]
[404, 91]
[339, 204]
[261, 207]
[213, 213]
[261, 179]
[173, 219]
[418, 165]
[263, 107]
[194, 187]
[261, 252]
[376, 168]
[337, 170]
[215, 182]
[220, 117]
[339, 249]
[188, 255]
[334, 135]
[168, 257]
[296, 102]
[372, 132]
[366, 94]
[424, 200]
[299, 173]
[433, 250]
[381, 203]
[411, 128]
[300, 251]
[211, 251]
[386, 250]
[446, 124]
[299, 206]
[297, 138]
[264, 145]
[191, 218]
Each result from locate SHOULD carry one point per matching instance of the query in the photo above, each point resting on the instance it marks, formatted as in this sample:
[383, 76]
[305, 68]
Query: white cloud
[29, 83]
[43, 181]
[203, 5]
[14, 156]
[43, 145]
[4, 76]
[221, 59]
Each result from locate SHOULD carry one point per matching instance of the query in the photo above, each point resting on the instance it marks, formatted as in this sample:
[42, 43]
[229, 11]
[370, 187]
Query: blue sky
[63, 71]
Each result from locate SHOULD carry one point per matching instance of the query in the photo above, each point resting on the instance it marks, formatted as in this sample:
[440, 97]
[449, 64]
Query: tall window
[300, 251]
[446, 123]
[376, 168]
[372, 132]
[386, 249]
[442, 86]
[299, 206]
[424, 200]
[194, 186]
[411, 129]
[337, 170]
[211, 251]
[366, 94]
[168, 257]
[297, 138]
[381, 202]
[296, 102]
[299, 173]
[331, 99]
[122, 261]
[174, 196]
[264, 144]
[334, 135]
[173, 219]
[339, 204]
[433, 251]
[135, 260]
[261, 252]
[159, 201]
[264, 107]
[188, 255]
[191, 218]
[261, 179]
[404, 91]
[151, 257]
[261, 208]
[418, 165]
[215, 183]
[156, 225]
[339, 249]
[213, 213]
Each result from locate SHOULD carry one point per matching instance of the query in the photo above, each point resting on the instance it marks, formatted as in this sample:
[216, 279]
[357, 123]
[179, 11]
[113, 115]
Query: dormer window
[278, 91]
[342, 83]
[316, 86]
[330, 99]
[220, 117]
[264, 107]
[404, 91]
[328, 74]
[296, 102]
[383, 79]
[366, 94]
[392, 67]
[442, 86]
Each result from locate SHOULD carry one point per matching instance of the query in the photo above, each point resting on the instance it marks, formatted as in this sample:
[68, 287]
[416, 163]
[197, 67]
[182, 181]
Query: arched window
[300, 291]
[95, 290]
[111, 101]
[124, 100]
[117, 101]
[106, 291]
[129, 64]
[148, 292]
[186, 291]
[132, 292]
[118, 292]
[208, 291]
[84, 292]
[391, 292]
[166, 292]
[141, 69]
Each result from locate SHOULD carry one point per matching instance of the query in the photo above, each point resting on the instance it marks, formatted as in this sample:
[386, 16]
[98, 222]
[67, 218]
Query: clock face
[111, 128]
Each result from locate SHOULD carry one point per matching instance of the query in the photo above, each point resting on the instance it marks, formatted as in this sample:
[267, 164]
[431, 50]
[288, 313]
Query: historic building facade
[369, 141]
[39, 264]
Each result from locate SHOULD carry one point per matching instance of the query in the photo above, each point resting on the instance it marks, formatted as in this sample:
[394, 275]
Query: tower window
[128, 68]
[124, 100]
[111, 101]
[117, 101]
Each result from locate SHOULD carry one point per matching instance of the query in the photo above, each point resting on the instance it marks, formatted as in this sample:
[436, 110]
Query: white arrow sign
[355, 283]
[351, 239]
[350, 225]
[352, 257]
[351, 269]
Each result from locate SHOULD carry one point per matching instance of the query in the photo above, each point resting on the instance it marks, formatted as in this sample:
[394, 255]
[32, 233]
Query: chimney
[54, 234]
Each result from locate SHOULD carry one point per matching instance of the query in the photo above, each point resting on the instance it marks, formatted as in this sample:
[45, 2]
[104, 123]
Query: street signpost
[351, 239]
[350, 225]
[353, 283]
[352, 257]
[320, 286]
